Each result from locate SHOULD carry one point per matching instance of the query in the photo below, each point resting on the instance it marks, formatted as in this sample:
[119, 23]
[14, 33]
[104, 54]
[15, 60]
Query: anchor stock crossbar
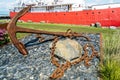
[12, 29]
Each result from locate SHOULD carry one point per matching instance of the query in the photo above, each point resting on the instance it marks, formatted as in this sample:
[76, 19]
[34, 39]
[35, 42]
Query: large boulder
[68, 49]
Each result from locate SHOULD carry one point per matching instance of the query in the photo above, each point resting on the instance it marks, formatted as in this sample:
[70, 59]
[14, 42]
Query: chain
[61, 68]
[41, 39]
[59, 72]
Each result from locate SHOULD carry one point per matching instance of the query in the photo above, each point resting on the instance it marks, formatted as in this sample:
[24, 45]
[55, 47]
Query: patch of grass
[62, 27]
[111, 44]
[22, 35]
[4, 21]
[110, 70]
[65, 27]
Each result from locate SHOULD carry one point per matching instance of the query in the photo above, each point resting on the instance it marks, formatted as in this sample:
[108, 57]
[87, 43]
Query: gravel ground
[37, 65]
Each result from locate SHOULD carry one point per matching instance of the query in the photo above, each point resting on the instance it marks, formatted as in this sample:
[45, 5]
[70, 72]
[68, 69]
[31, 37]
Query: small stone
[41, 76]
[78, 78]
[68, 49]
[4, 79]
[32, 77]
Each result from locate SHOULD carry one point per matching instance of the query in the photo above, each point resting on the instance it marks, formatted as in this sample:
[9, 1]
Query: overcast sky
[5, 5]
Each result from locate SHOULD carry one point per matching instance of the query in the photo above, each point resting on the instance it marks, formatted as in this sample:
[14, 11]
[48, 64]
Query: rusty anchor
[13, 29]
[58, 73]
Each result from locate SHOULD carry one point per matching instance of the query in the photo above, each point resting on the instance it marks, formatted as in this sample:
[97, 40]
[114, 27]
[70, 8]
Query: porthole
[99, 12]
[112, 11]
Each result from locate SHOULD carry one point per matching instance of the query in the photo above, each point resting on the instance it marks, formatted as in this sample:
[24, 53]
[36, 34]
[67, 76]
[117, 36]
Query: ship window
[87, 13]
[112, 11]
[92, 12]
[76, 13]
[99, 12]
[64, 14]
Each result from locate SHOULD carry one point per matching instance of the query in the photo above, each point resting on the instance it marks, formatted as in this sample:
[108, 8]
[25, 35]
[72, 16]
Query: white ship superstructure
[52, 5]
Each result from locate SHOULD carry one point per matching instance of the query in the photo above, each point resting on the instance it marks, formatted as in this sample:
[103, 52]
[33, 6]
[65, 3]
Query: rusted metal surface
[61, 68]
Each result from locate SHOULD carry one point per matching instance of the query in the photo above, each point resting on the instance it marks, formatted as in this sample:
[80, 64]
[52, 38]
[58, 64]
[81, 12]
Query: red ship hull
[106, 17]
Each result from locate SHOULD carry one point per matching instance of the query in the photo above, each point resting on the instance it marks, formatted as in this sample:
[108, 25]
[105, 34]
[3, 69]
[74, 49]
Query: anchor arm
[12, 29]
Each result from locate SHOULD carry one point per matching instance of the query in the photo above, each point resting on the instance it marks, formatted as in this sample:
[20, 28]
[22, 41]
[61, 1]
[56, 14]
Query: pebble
[37, 64]
[32, 78]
